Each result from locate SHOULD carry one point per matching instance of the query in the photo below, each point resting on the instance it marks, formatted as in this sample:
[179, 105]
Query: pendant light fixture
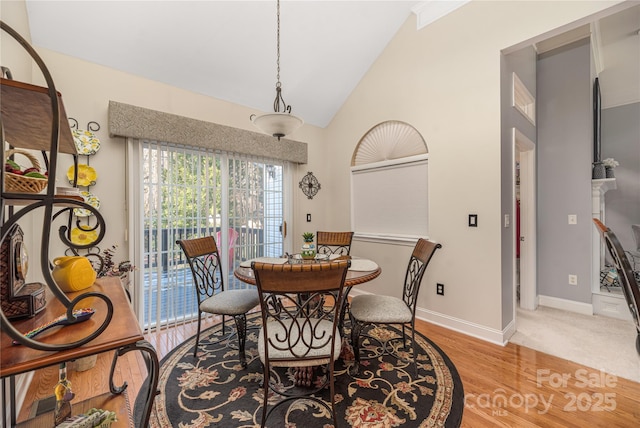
[281, 122]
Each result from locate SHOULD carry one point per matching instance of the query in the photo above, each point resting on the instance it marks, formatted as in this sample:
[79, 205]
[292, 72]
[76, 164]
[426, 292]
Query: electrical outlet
[573, 279]
[440, 289]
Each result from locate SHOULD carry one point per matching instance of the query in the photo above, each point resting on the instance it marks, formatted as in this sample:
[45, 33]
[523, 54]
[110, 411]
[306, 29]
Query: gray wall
[621, 141]
[565, 118]
[523, 63]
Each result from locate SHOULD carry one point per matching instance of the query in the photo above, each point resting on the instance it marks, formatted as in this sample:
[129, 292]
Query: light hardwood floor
[510, 386]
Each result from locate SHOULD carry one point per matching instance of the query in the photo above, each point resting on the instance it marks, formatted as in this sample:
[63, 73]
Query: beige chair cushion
[277, 331]
[231, 302]
[380, 309]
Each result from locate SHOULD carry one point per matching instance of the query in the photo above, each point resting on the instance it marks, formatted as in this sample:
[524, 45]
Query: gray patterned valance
[126, 120]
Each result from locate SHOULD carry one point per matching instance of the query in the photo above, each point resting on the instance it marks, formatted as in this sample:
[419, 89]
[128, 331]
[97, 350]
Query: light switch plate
[573, 219]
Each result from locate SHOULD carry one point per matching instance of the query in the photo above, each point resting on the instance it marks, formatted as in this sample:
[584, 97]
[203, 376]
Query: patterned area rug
[213, 390]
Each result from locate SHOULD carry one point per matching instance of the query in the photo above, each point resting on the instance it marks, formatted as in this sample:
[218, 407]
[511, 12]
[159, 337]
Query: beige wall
[443, 79]
[12, 55]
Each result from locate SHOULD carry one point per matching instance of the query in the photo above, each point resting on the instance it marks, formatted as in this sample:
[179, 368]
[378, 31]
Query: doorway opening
[525, 294]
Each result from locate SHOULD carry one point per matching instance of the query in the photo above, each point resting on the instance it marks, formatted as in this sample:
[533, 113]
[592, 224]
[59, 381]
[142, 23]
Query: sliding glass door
[190, 192]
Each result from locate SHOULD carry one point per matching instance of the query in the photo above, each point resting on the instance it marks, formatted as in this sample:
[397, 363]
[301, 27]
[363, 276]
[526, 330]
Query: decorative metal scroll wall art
[309, 185]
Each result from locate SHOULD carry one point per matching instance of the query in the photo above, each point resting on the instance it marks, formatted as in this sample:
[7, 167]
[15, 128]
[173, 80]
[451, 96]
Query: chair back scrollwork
[334, 242]
[422, 253]
[300, 306]
[204, 261]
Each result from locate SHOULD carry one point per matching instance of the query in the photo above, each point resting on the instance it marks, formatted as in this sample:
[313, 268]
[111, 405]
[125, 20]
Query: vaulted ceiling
[227, 49]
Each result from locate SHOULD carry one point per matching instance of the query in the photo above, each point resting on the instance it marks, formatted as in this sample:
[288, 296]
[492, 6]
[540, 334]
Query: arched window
[389, 177]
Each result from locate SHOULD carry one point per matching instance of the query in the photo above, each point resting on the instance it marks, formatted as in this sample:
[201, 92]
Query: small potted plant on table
[308, 248]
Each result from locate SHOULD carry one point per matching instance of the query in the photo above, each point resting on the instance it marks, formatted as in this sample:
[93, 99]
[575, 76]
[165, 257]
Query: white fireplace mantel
[610, 304]
[598, 189]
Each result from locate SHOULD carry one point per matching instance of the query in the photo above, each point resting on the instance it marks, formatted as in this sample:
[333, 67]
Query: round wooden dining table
[354, 277]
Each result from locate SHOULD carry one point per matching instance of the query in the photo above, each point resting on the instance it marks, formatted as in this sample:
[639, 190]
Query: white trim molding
[566, 305]
[596, 47]
[498, 337]
[522, 100]
[432, 10]
[408, 240]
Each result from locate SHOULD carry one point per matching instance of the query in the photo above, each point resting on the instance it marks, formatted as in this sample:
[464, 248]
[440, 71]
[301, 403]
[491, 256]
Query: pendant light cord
[279, 99]
[278, 47]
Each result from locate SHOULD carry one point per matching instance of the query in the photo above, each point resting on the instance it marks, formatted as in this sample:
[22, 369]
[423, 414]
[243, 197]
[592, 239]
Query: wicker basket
[21, 184]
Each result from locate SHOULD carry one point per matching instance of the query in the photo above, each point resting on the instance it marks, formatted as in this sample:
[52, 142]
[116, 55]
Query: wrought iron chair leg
[344, 311]
[413, 345]
[241, 331]
[404, 337]
[332, 395]
[265, 389]
[195, 349]
[356, 328]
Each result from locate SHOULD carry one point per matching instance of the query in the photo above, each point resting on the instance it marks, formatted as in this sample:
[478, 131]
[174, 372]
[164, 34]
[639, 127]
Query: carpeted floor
[213, 390]
[595, 341]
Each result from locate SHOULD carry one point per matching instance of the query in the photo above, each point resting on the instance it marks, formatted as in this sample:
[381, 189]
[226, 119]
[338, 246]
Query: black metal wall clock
[309, 185]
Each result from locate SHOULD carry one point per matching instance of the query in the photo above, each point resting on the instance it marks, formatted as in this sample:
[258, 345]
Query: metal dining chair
[297, 331]
[334, 242]
[338, 243]
[626, 276]
[376, 309]
[208, 280]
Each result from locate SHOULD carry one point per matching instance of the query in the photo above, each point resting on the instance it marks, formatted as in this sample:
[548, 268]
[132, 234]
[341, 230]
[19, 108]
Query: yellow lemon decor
[87, 176]
[83, 237]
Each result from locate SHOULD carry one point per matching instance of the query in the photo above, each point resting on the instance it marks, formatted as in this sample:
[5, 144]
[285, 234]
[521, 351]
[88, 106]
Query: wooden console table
[123, 334]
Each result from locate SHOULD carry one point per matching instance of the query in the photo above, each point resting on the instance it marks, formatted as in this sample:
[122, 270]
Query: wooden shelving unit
[34, 118]
[122, 332]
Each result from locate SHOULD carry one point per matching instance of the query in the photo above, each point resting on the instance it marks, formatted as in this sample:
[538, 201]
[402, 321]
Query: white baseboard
[462, 326]
[566, 305]
[499, 337]
[509, 331]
